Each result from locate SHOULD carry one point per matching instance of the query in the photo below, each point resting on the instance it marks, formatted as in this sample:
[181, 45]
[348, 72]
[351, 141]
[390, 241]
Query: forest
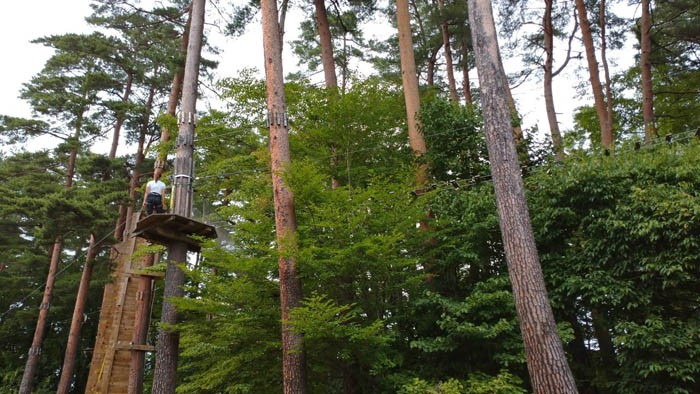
[393, 231]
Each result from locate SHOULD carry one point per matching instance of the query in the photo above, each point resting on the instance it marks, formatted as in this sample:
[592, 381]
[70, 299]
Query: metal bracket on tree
[278, 118]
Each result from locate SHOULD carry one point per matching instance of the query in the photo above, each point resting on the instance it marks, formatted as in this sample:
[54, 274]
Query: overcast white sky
[24, 20]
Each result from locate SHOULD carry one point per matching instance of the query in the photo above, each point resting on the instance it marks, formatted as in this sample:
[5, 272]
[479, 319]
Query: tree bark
[606, 136]
[548, 78]
[606, 69]
[466, 85]
[33, 356]
[546, 360]
[167, 345]
[120, 117]
[645, 64]
[175, 90]
[324, 34]
[410, 89]
[452, 86]
[293, 357]
[77, 321]
[430, 68]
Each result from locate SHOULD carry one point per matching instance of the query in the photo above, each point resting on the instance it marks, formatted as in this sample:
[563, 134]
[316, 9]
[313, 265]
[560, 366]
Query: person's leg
[149, 204]
[159, 204]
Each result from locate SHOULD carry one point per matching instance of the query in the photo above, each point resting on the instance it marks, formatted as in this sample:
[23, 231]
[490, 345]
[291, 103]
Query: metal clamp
[187, 117]
[278, 118]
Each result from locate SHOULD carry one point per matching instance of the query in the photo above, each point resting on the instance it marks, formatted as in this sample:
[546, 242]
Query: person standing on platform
[155, 195]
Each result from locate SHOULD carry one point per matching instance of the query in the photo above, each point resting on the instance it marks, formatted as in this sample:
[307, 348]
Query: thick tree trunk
[167, 346]
[168, 342]
[293, 357]
[645, 64]
[606, 68]
[606, 136]
[548, 78]
[410, 88]
[324, 34]
[175, 89]
[33, 356]
[77, 321]
[452, 86]
[546, 360]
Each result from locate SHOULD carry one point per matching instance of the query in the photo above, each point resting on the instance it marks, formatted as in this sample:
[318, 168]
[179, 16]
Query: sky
[25, 20]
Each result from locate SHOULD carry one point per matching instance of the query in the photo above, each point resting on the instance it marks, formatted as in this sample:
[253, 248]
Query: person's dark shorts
[154, 201]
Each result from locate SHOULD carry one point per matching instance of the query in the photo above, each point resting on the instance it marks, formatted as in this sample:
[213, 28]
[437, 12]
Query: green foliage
[617, 243]
[456, 146]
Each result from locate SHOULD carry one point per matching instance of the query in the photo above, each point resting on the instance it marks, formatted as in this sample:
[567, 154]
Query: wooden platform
[164, 228]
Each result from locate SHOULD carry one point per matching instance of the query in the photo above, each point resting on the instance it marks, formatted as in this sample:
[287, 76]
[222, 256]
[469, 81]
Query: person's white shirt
[155, 186]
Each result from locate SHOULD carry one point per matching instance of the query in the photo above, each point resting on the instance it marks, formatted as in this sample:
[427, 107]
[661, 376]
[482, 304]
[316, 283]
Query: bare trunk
[293, 357]
[548, 78]
[645, 64]
[606, 137]
[448, 54]
[546, 360]
[410, 89]
[120, 117]
[324, 34]
[466, 84]
[167, 346]
[175, 89]
[606, 68]
[430, 70]
[77, 321]
[34, 352]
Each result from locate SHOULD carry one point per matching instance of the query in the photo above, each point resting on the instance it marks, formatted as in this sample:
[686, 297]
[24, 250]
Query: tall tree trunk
[410, 89]
[33, 355]
[293, 356]
[77, 321]
[324, 34]
[175, 89]
[167, 346]
[328, 62]
[546, 360]
[120, 116]
[645, 64]
[430, 69]
[448, 53]
[548, 78]
[466, 85]
[606, 68]
[606, 136]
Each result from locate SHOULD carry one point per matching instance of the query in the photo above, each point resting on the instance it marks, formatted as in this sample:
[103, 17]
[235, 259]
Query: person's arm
[145, 195]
